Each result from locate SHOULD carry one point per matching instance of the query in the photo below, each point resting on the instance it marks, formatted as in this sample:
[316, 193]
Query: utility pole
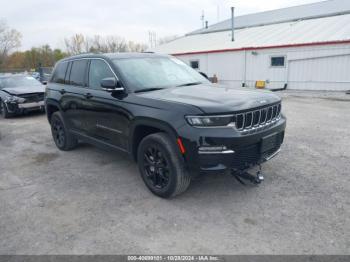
[203, 19]
[218, 13]
[152, 39]
[233, 23]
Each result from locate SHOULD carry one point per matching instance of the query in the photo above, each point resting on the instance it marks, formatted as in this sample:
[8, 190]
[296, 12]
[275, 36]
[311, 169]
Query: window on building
[194, 64]
[278, 61]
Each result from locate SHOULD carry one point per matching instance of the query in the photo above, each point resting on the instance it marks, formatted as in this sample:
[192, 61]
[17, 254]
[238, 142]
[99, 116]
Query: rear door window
[77, 73]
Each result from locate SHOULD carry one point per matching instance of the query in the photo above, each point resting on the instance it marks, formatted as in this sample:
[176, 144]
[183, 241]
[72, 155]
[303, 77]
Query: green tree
[31, 59]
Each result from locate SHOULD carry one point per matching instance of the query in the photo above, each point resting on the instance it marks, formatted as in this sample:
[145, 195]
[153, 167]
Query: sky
[50, 21]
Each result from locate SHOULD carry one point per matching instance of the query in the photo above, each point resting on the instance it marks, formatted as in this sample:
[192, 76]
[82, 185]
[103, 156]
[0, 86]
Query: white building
[304, 47]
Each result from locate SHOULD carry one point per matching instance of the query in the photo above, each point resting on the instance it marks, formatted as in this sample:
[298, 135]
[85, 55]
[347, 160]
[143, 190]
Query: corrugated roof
[302, 12]
[319, 30]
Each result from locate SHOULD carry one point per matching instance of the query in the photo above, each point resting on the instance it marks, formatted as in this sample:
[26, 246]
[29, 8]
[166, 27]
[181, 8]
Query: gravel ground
[89, 201]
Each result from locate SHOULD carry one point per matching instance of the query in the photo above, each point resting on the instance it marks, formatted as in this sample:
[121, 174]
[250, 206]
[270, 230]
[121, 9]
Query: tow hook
[241, 175]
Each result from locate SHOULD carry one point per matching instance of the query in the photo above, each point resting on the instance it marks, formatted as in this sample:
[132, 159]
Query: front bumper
[16, 108]
[232, 149]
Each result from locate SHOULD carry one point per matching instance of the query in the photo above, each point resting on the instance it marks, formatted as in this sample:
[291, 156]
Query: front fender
[150, 122]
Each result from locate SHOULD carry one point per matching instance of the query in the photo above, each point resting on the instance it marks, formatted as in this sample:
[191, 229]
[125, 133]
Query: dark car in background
[20, 93]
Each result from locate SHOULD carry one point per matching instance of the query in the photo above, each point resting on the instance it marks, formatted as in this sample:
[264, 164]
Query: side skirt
[98, 143]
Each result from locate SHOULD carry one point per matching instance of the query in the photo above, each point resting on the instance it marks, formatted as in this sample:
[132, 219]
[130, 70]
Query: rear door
[73, 98]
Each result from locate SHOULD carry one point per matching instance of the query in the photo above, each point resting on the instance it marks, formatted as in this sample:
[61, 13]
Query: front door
[108, 120]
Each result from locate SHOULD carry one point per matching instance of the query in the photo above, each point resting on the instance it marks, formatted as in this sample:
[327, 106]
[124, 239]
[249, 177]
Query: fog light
[214, 150]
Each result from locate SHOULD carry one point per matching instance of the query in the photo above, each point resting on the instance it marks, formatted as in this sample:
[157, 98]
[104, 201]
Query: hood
[21, 90]
[214, 99]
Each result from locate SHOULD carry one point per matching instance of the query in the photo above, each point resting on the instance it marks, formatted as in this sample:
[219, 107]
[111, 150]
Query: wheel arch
[51, 106]
[143, 127]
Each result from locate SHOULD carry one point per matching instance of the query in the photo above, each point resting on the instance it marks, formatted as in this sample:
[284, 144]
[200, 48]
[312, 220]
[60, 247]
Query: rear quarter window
[59, 73]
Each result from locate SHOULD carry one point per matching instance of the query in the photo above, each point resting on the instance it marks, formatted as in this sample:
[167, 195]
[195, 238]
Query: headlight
[10, 99]
[211, 121]
[14, 99]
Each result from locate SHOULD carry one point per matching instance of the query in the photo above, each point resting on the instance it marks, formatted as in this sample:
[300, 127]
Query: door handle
[88, 95]
[62, 91]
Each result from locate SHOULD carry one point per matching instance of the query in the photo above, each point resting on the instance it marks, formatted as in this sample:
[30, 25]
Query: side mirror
[44, 82]
[111, 84]
[204, 74]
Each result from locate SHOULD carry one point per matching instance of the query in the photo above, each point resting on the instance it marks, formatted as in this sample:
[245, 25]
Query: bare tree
[76, 44]
[136, 47]
[79, 43]
[9, 40]
[116, 44]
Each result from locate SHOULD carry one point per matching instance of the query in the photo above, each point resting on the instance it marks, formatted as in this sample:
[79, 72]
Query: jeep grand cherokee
[164, 114]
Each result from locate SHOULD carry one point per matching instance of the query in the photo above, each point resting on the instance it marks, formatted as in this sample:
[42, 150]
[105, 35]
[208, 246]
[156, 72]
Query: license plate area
[268, 142]
[32, 105]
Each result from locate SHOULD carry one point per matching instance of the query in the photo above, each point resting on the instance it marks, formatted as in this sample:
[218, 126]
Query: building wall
[324, 67]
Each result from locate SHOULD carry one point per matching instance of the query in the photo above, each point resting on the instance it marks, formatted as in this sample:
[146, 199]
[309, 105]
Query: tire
[161, 166]
[64, 140]
[3, 110]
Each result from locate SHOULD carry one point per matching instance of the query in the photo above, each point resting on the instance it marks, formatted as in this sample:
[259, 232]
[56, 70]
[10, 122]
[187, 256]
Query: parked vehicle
[44, 74]
[165, 115]
[20, 93]
[36, 75]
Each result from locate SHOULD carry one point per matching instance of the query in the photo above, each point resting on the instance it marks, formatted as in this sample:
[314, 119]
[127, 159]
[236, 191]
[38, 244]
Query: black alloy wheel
[64, 140]
[156, 167]
[58, 132]
[162, 166]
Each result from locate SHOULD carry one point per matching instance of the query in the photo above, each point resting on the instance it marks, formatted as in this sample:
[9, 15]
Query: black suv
[164, 114]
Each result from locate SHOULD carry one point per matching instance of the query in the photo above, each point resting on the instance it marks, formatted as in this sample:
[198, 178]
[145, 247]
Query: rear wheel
[4, 111]
[161, 166]
[63, 139]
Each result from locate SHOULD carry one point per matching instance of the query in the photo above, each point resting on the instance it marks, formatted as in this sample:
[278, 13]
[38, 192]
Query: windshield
[157, 72]
[18, 81]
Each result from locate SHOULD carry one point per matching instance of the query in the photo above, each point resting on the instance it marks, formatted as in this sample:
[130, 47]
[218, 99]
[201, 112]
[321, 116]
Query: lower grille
[251, 155]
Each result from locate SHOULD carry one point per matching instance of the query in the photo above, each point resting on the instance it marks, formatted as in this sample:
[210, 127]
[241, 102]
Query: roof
[301, 12]
[326, 30]
[112, 55]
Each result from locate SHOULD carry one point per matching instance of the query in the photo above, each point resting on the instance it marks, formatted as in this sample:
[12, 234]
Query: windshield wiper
[148, 89]
[190, 84]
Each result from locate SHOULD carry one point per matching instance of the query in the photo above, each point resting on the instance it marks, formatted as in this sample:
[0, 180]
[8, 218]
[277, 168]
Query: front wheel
[161, 166]
[4, 112]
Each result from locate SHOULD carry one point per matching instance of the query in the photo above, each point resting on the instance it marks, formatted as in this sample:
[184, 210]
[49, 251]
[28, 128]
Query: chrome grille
[255, 120]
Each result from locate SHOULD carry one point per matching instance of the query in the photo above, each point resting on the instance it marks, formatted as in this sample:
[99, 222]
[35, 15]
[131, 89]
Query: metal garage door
[326, 73]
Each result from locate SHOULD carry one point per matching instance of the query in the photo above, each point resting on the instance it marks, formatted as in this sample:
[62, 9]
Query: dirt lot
[91, 201]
